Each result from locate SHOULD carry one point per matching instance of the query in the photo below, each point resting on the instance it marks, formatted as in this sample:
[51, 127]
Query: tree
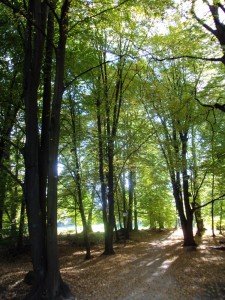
[217, 10]
[113, 81]
[171, 107]
[77, 175]
[11, 100]
[131, 105]
[42, 226]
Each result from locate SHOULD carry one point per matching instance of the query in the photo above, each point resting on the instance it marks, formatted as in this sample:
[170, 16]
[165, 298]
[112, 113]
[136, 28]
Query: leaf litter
[150, 265]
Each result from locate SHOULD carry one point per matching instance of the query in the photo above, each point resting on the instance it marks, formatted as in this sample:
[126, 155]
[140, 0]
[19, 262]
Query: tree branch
[207, 27]
[221, 107]
[199, 187]
[219, 59]
[86, 71]
[15, 178]
[97, 14]
[222, 197]
[221, 7]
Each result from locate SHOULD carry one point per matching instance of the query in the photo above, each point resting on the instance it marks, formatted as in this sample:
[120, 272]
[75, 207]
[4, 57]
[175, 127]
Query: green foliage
[163, 92]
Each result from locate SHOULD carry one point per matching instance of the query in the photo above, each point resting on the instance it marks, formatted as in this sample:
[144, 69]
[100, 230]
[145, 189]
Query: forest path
[150, 266]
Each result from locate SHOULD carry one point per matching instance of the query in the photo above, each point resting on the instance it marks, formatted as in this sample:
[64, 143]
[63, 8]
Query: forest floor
[151, 265]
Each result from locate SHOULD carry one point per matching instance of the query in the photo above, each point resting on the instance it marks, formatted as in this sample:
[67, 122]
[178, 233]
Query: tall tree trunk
[21, 225]
[196, 198]
[90, 213]
[213, 186]
[55, 285]
[135, 206]
[212, 219]
[188, 231]
[131, 200]
[32, 68]
[78, 181]
[101, 167]
[13, 211]
[118, 207]
[84, 223]
[75, 212]
[123, 180]
[15, 198]
[186, 226]
[180, 192]
[221, 218]
[46, 112]
[109, 245]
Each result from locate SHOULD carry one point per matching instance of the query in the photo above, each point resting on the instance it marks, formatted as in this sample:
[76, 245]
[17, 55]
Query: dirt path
[150, 266]
[154, 267]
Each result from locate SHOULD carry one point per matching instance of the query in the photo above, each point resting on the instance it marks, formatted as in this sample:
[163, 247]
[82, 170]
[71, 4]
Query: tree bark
[45, 122]
[78, 181]
[101, 166]
[34, 43]
[109, 245]
[55, 285]
[135, 202]
[131, 200]
[47, 281]
[21, 225]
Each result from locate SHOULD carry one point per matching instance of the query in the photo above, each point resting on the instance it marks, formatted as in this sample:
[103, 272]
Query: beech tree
[172, 107]
[42, 223]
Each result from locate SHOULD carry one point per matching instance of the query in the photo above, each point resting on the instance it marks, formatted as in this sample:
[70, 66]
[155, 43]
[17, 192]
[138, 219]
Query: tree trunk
[90, 213]
[109, 242]
[32, 68]
[199, 220]
[186, 225]
[131, 200]
[196, 198]
[188, 230]
[135, 212]
[123, 180]
[101, 167]
[13, 211]
[21, 225]
[78, 180]
[212, 218]
[75, 212]
[47, 92]
[221, 218]
[47, 279]
[81, 209]
[55, 285]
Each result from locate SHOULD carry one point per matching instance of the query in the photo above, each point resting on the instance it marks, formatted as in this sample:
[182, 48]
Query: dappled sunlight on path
[155, 266]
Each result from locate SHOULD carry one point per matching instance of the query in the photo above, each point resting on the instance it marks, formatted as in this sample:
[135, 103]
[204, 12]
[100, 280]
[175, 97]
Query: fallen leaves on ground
[152, 265]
